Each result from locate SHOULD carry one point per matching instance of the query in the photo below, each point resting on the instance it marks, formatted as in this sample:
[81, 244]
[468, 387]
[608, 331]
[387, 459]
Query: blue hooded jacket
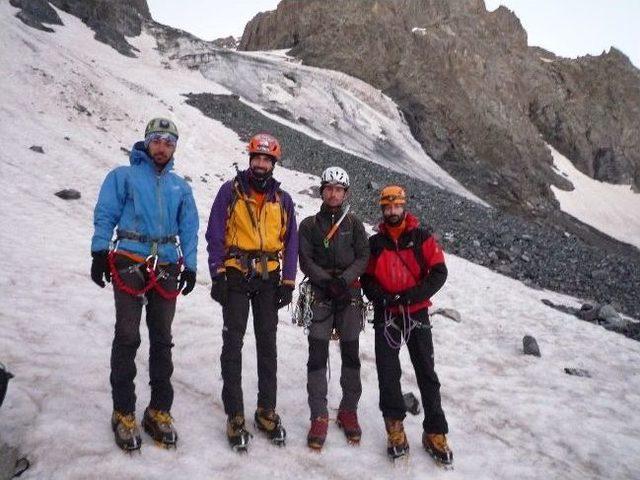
[149, 203]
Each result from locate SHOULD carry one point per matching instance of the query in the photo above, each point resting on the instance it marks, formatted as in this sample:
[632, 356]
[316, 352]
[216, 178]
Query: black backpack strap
[420, 235]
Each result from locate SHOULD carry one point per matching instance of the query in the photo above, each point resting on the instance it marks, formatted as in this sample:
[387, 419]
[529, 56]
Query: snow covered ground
[511, 416]
[612, 209]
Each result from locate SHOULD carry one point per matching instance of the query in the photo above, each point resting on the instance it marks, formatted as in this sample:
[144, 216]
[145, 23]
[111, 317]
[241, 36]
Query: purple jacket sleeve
[290, 256]
[217, 226]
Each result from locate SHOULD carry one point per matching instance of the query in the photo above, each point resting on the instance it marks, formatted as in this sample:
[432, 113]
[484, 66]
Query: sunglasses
[167, 139]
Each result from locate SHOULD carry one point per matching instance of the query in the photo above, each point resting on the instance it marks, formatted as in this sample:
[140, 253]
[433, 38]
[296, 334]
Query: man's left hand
[284, 295]
[187, 280]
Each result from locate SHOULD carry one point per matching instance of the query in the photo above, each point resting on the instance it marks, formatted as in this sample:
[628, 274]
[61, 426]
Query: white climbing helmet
[335, 176]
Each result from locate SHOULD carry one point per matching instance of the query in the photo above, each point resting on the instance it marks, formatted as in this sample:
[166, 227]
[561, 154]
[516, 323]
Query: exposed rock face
[112, 20]
[36, 13]
[589, 109]
[228, 42]
[480, 101]
[171, 41]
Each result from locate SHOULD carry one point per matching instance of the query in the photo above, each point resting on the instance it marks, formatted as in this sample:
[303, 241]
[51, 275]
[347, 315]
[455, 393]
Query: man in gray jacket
[334, 252]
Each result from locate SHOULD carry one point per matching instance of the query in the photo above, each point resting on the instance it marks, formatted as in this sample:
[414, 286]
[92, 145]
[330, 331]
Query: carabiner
[155, 262]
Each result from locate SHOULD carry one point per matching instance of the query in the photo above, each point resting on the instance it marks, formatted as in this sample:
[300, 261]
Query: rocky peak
[229, 42]
[477, 97]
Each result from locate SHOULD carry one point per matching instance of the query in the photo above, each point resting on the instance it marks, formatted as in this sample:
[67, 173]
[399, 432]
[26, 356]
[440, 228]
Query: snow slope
[511, 416]
[612, 209]
[336, 108]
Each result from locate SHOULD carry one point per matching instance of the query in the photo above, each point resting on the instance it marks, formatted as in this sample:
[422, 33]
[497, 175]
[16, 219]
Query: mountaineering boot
[348, 421]
[397, 444]
[436, 445]
[237, 434]
[318, 432]
[268, 421]
[126, 431]
[159, 425]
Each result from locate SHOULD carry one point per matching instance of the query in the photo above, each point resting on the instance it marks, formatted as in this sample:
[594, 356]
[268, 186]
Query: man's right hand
[219, 290]
[100, 268]
[336, 288]
[390, 299]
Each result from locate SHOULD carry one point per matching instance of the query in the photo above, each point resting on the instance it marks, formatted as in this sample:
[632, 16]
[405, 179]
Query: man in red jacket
[405, 269]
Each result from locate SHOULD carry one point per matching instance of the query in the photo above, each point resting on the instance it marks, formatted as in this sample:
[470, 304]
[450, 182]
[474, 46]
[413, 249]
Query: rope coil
[405, 329]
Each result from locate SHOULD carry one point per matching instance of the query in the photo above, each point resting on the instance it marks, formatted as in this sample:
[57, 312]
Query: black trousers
[420, 347]
[126, 341]
[261, 296]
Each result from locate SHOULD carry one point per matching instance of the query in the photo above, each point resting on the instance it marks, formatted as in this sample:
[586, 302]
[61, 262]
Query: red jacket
[394, 269]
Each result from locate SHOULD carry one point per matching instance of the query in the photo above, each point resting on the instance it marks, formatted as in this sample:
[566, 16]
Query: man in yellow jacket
[252, 240]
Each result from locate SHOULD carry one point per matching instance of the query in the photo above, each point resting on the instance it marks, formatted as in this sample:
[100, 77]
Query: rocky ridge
[478, 98]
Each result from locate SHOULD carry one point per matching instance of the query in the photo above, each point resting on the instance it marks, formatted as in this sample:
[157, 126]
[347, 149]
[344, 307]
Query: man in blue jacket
[154, 258]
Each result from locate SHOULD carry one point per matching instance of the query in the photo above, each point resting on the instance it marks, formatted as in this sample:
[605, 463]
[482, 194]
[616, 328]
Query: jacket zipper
[258, 217]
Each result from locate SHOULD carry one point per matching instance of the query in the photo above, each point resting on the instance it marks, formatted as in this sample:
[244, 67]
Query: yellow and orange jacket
[242, 222]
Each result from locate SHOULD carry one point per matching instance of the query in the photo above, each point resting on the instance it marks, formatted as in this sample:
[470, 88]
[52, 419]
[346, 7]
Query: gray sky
[566, 27]
[571, 28]
[209, 19]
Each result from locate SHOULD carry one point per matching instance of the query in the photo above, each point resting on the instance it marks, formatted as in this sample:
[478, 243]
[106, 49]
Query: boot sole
[447, 465]
[130, 449]
[165, 445]
[278, 442]
[394, 455]
[127, 448]
[240, 449]
[243, 446]
[315, 446]
[351, 439]
[398, 459]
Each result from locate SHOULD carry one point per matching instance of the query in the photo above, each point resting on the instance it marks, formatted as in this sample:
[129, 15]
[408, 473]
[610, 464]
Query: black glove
[100, 268]
[390, 299]
[188, 278]
[338, 291]
[376, 294]
[336, 288]
[219, 290]
[410, 296]
[284, 295]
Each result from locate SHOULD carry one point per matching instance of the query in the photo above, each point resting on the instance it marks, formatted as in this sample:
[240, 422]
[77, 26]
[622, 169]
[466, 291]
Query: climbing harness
[149, 266]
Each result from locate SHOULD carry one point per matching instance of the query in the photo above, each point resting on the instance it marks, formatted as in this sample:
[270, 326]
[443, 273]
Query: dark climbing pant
[347, 324]
[420, 347]
[260, 294]
[126, 341]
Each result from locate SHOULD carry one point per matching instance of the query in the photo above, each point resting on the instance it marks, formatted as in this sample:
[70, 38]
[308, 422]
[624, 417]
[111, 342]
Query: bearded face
[393, 214]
